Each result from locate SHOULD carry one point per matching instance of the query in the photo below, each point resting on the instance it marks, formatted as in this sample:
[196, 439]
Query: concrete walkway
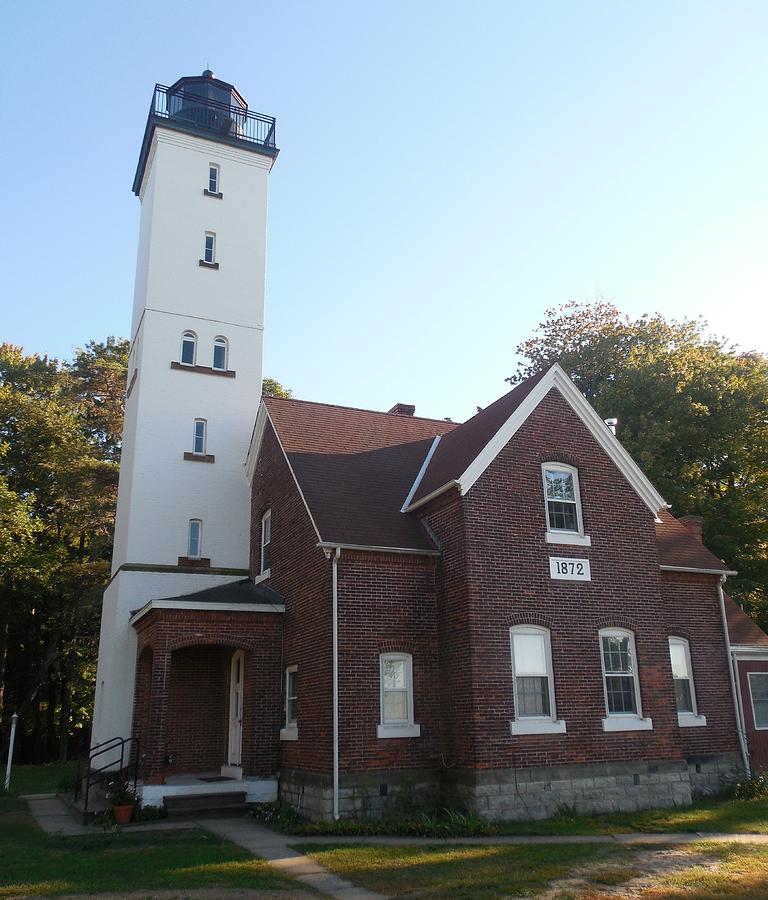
[274, 848]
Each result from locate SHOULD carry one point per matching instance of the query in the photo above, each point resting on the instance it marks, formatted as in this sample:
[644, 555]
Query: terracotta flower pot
[123, 813]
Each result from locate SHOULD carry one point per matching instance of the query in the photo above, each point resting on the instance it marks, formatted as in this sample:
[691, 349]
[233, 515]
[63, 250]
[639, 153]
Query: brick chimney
[402, 409]
[694, 524]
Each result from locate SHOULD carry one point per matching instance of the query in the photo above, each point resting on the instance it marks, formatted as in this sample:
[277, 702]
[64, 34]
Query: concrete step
[195, 806]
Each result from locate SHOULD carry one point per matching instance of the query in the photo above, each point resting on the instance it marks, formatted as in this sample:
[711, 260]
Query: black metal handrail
[84, 781]
[236, 122]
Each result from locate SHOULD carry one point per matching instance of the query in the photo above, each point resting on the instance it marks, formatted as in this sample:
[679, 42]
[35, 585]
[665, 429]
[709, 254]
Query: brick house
[501, 614]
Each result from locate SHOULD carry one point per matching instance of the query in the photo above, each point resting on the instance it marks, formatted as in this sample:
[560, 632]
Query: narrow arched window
[266, 542]
[621, 683]
[561, 490]
[195, 539]
[682, 677]
[396, 696]
[199, 436]
[220, 353]
[188, 348]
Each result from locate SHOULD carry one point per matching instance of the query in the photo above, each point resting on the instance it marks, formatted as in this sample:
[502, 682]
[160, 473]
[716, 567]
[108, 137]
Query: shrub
[754, 787]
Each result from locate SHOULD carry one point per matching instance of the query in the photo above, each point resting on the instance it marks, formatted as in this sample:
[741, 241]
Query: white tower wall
[159, 490]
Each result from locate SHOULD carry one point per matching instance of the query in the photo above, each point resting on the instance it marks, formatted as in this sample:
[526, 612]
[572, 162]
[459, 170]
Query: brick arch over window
[397, 647]
[532, 618]
[230, 641]
[557, 456]
[616, 622]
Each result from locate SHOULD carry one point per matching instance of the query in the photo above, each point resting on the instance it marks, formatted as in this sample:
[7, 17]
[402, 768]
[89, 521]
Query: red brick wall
[757, 739]
[387, 605]
[508, 583]
[302, 574]
[692, 611]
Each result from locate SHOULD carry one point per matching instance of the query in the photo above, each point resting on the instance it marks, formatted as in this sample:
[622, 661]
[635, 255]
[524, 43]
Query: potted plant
[123, 799]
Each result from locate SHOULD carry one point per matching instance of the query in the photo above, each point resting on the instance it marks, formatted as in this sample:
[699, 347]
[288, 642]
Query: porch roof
[244, 594]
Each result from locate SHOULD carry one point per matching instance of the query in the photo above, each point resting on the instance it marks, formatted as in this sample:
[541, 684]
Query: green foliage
[754, 787]
[272, 388]
[692, 411]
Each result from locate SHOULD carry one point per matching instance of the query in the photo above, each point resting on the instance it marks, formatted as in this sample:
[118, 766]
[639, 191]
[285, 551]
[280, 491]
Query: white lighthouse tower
[195, 366]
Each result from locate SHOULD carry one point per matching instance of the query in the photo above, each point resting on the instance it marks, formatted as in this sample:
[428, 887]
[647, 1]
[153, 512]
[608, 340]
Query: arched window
[199, 436]
[533, 683]
[195, 539]
[188, 348]
[621, 684]
[220, 353]
[682, 676]
[396, 696]
[563, 503]
[266, 542]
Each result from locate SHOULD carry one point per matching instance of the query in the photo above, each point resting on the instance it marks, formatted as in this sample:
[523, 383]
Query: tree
[272, 388]
[692, 411]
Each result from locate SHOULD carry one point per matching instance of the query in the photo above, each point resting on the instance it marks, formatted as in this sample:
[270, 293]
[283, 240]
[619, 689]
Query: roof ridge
[377, 412]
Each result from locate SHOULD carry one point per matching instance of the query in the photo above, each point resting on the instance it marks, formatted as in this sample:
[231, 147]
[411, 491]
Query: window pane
[266, 558]
[266, 529]
[532, 697]
[562, 516]
[199, 445]
[188, 351]
[194, 539]
[679, 660]
[219, 356]
[683, 695]
[213, 179]
[758, 688]
[394, 673]
[617, 656]
[395, 706]
[560, 486]
[530, 654]
[621, 693]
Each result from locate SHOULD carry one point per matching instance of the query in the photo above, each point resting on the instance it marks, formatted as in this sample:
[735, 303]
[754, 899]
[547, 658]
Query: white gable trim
[254, 451]
[556, 378]
[422, 470]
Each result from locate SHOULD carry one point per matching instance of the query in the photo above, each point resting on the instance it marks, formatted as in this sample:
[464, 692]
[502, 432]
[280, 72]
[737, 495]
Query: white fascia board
[332, 545]
[697, 571]
[254, 450]
[206, 607]
[441, 490]
[422, 470]
[556, 378]
[749, 651]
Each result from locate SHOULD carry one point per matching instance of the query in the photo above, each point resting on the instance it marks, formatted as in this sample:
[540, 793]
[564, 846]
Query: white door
[235, 709]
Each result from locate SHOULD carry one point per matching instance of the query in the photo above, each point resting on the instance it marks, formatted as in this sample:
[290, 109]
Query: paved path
[274, 848]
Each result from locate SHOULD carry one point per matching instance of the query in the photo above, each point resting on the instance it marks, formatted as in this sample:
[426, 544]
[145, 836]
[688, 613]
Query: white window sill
[627, 723]
[568, 537]
[537, 726]
[289, 733]
[262, 577]
[397, 731]
[689, 720]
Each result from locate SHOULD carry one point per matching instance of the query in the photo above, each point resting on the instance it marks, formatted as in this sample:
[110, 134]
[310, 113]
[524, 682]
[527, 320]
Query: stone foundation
[710, 773]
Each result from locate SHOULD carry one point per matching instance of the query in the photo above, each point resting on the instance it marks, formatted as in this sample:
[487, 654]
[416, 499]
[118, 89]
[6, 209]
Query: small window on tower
[266, 542]
[213, 179]
[198, 440]
[220, 354]
[195, 539]
[188, 348]
[209, 253]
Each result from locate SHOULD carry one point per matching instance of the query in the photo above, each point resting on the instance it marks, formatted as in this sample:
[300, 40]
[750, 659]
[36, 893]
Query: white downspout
[731, 662]
[335, 570]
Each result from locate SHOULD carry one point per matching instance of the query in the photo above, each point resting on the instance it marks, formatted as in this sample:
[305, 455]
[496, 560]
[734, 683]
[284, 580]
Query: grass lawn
[46, 779]
[703, 870]
[32, 862]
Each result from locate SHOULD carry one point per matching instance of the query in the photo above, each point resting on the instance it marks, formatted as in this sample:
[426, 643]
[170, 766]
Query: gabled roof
[743, 631]
[354, 468]
[461, 457]
[682, 550]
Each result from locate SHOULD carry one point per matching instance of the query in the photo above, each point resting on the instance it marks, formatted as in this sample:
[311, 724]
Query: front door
[235, 709]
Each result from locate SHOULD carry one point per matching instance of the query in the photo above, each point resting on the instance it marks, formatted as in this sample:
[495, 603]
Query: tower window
[195, 539]
[199, 436]
[188, 348]
[220, 353]
[213, 179]
[266, 542]
[209, 253]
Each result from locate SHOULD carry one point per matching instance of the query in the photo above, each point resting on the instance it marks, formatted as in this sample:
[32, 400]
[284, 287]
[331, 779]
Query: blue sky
[448, 171]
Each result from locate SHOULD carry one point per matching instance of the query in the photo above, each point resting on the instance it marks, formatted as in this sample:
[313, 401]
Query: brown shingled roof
[743, 631]
[461, 447]
[355, 468]
[680, 548]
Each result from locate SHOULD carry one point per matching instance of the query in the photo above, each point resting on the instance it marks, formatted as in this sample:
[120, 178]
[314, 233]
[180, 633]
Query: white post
[14, 720]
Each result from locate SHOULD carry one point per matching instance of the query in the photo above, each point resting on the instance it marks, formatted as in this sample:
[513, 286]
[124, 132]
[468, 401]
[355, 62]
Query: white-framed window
[621, 685]
[199, 436]
[758, 692]
[209, 247]
[290, 729]
[266, 542]
[213, 178]
[220, 353]
[562, 504]
[396, 696]
[682, 676]
[188, 348]
[195, 539]
[532, 681]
